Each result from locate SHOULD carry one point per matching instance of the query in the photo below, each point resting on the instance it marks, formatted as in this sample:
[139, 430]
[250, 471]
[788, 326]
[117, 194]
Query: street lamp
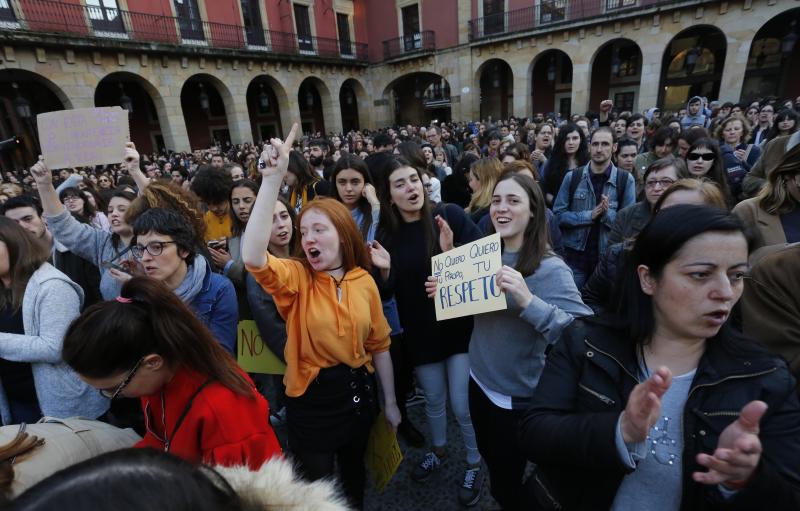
[124, 101]
[309, 98]
[21, 105]
[496, 77]
[551, 70]
[205, 104]
[348, 98]
[263, 98]
[789, 40]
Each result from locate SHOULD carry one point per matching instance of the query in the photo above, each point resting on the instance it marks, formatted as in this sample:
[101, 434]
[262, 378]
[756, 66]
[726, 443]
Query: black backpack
[575, 180]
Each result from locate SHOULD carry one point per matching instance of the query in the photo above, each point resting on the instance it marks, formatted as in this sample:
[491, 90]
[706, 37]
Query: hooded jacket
[50, 303]
[326, 324]
[275, 487]
[699, 119]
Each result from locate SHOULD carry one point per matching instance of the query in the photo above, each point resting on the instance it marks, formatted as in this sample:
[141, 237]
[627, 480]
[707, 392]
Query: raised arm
[273, 165]
[47, 193]
[131, 164]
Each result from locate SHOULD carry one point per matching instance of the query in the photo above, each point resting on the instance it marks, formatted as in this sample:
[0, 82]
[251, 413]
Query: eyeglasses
[72, 198]
[125, 382]
[154, 248]
[663, 183]
[698, 156]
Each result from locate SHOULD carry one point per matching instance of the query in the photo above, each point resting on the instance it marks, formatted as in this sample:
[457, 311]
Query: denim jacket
[576, 219]
[217, 308]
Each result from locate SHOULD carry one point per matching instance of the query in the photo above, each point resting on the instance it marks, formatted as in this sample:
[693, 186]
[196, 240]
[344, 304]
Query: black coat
[570, 429]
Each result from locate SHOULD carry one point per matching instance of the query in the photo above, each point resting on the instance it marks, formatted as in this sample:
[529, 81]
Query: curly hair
[211, 185]
[169, 196]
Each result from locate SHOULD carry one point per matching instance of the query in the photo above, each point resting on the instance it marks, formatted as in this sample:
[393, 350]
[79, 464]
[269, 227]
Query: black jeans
[496, 433]
[403, 372]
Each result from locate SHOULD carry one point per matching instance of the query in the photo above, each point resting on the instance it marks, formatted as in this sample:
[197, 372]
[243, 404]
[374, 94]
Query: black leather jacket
[569, 431]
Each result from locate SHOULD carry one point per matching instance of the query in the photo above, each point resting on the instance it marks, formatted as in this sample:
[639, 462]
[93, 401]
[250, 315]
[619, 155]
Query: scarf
[193, 282]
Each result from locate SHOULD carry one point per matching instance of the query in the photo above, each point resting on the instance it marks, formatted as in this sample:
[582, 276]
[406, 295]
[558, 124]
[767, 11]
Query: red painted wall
[381, 25]
[441, 17]
[325, 20]
[360, 21]
[150, 20]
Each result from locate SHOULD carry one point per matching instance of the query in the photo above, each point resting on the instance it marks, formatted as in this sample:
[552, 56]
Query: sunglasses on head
[698, 156]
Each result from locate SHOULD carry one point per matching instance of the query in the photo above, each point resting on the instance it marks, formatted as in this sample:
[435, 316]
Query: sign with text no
[466, 279]
[83, 137]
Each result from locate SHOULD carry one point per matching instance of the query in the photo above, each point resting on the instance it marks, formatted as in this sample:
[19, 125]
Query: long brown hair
[536, 238]
[774, 198]
[110, 337]
[354, 251]
[26, 254]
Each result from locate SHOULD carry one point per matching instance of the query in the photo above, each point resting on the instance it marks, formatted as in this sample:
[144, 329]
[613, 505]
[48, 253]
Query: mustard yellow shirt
[217, 227]
[324, 328]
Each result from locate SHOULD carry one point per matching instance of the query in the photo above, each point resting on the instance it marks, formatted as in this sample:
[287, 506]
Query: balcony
[48, 16]
[549, 13]
[410, 44]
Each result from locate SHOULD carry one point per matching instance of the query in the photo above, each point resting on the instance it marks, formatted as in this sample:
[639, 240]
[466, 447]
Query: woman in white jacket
[37, 304]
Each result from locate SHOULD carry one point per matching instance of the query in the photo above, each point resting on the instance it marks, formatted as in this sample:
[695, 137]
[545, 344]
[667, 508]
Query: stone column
[581, 80]
[172, 123]
[652, 56]
[522, 91]
[735, 66]
[332, 112]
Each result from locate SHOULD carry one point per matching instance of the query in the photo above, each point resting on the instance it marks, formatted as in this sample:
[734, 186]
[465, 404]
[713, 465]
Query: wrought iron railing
[547, 13]
[93, 21]
[416, 42]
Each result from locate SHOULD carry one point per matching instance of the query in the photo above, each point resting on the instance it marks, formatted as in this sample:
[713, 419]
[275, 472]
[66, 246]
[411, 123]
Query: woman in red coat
[198, 404]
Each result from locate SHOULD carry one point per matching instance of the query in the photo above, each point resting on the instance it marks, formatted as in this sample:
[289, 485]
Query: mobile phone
[117, 267]
[218, 244]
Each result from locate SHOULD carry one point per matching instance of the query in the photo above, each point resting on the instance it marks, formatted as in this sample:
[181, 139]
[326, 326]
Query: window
[552, 11]
[302, 23]
[253, 28]
[493, 16]
[412, 39]
[189, 20]
[7, 12]
[343, 26]
[619, 4]
[623, 101]
[105, 16]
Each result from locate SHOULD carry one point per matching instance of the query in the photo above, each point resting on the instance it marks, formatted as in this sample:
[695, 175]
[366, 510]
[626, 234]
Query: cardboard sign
[466, 278]
[83, 137]
[383, 454]
[252, 354]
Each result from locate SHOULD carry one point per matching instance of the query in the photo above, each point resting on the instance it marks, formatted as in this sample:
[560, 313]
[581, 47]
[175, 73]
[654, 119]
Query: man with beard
[318, 151]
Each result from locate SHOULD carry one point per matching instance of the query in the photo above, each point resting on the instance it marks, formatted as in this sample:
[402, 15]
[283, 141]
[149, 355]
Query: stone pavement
[440, 491]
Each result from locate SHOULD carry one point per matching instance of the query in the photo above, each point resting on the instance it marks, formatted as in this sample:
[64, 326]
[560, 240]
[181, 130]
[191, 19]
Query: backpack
[575, 180]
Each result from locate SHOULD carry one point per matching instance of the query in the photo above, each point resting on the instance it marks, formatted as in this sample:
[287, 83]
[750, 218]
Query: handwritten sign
[252, 354]
[383, 454]
[84, 136]
[466, 279]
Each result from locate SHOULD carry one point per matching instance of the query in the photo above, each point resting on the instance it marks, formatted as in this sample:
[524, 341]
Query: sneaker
[429, 465]
[470, 492]
[411, 434]
[415, 397]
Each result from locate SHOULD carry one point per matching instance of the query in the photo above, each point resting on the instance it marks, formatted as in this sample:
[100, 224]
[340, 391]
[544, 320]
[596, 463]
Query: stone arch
[34, 94]
[616, 73]
[692, 65]
[358, 101]
[774, 58]
[419, 98]
[213, 124]
[149, 109]
[494, 82]
[268, 122]
[317, 109]
[551, 82]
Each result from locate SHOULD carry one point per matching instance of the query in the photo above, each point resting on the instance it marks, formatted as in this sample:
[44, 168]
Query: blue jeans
[436, 379]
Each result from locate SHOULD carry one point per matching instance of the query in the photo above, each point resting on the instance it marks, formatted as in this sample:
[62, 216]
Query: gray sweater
[50, 304]
[506, 352]
[90, 243]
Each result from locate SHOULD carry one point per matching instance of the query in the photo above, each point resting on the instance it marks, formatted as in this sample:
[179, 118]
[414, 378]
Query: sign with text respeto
[83, 136]
[466, 279]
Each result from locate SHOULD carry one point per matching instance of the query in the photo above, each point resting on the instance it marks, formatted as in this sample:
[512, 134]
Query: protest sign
[466, 279]
[383, 454]
[83, 137]
[252, 354]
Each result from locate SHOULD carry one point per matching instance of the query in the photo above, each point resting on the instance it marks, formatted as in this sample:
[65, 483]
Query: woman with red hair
[337, 335]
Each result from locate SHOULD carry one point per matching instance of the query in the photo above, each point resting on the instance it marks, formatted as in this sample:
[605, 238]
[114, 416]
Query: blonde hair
[711, 192]
[486, 171]
[774, 198]
[746, 128]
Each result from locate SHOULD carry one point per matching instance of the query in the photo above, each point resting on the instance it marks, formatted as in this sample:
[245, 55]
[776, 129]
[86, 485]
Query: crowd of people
[648, 357]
